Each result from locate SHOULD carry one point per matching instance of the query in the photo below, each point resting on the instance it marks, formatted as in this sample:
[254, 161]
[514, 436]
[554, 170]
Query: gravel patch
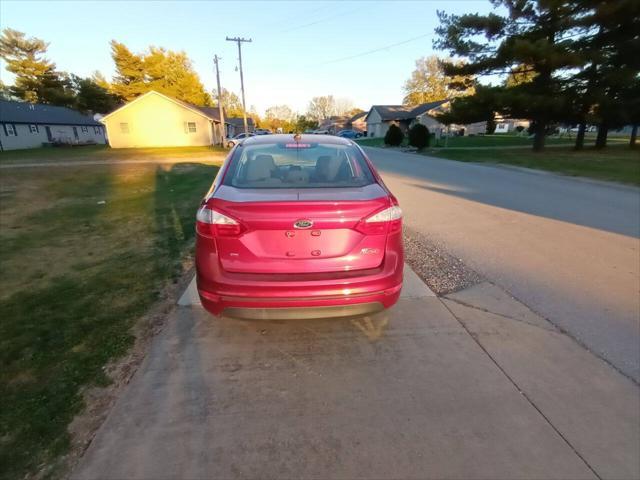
[442, 272]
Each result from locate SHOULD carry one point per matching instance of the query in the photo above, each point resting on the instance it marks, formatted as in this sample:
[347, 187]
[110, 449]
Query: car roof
[304, 138]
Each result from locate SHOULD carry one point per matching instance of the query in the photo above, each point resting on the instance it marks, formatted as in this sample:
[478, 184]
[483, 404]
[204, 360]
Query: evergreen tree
[419, 136]
[92, 97]
[157, 69]
[536, 33]
[394, 136]
[36, 78]
[611, 78]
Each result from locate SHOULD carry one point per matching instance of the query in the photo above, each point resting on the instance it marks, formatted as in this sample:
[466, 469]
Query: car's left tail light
[211, 223]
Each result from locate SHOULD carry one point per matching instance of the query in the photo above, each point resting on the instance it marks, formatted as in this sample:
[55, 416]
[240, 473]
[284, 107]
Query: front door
[75, 133]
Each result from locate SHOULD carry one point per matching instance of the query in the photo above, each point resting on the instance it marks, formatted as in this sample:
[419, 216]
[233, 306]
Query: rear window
[298, 165]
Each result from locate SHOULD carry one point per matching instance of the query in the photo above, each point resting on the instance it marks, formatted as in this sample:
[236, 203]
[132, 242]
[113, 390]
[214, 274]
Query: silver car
[232, 142]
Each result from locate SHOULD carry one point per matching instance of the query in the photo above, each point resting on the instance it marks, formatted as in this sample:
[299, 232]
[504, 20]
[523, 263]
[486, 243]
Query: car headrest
[260, 168]
[327, 167]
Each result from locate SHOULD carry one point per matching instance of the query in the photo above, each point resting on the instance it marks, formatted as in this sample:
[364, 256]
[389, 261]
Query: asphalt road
[567, 248]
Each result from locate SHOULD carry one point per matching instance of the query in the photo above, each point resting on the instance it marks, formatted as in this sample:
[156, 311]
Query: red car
[298, 227]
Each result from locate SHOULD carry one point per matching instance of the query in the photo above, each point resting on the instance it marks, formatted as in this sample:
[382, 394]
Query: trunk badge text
[303, 224]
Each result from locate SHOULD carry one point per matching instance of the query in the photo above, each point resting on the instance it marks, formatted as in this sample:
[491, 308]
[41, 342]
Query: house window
[10, 129]
[85, 129]
[96, 130]
[124, 127]
[191, 127]
[33, 128]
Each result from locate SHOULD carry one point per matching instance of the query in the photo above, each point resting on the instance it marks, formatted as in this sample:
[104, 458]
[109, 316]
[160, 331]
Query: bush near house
[394, 136]
[419, 136]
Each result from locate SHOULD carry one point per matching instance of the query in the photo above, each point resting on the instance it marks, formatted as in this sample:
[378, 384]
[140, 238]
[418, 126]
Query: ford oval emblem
[303, 224]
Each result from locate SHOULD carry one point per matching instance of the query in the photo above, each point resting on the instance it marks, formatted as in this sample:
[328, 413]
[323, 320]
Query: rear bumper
[298, 296]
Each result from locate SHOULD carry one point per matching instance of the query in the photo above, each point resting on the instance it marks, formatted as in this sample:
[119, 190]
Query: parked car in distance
[238, 138]
[262, 131]
[321, 132]
[349, 134]
[298, 226]
[309, 131]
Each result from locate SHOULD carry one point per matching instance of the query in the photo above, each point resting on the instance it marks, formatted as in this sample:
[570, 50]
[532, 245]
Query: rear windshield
[303, 165]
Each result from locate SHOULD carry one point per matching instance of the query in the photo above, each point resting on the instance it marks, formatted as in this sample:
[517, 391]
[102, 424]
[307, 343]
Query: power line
[375, 50]
[326, 19]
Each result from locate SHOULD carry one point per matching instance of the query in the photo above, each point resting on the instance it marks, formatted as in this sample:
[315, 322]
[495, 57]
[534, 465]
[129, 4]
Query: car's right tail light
[211, 223]
[388, 220]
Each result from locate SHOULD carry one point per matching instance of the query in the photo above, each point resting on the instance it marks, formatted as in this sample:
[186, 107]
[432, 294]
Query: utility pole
[239, 41]
[220, 108]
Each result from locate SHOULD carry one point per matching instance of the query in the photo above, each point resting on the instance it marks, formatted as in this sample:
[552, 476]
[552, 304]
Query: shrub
[394, 136]
[419, 136]
[519, 129]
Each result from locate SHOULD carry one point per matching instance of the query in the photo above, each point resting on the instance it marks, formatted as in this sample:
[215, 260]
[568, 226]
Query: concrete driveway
[569, 249]
[433, 388]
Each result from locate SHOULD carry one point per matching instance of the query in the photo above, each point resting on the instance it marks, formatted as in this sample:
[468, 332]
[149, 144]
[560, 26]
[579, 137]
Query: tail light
[212, 223]
[388, 220]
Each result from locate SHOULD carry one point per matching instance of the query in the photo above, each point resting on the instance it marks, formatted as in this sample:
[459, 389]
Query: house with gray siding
[31, 125]
[380, 117]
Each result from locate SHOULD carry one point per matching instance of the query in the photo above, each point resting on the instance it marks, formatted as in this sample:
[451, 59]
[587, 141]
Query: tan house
[156, 120]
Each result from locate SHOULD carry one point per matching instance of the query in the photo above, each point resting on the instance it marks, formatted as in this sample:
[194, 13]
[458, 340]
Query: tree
[419, 136]
[520, 75]
[164, 71]
[342, 106]
[36, 78]
[279, 112]
[479, 107]
[279, 117]
[230, 101]
[429, 83]
[91, 97]
[536, 33]
[321, 108]
[611, 78]
[394, 136]
[354, 111]
[303, 123]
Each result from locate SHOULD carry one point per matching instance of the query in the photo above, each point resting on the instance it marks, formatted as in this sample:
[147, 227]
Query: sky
[299, 49]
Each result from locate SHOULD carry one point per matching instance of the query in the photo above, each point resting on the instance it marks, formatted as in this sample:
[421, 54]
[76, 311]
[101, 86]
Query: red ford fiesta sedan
[298, 227]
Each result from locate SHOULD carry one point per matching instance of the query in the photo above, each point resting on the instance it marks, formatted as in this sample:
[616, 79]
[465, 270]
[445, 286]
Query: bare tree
[321, 108]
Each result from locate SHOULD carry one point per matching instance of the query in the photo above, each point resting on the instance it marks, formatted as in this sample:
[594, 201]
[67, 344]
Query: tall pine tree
[536, 33]
[157, 69]
[36, 78]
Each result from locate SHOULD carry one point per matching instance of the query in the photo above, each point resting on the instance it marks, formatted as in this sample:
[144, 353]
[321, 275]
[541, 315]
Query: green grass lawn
[84, 253]
[616, 163]
[489, 141]
[104, 152]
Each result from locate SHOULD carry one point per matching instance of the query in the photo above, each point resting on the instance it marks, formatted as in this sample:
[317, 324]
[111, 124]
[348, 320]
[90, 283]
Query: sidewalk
[470, 386]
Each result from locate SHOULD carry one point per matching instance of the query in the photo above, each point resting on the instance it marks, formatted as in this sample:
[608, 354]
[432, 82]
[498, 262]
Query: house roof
[425, 107]
[37, 113]
[211, 113]
[358, 116]
[403, 112]
[239, 121]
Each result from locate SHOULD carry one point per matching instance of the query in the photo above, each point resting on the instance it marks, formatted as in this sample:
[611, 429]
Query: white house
[31, 125]
[156, 120]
